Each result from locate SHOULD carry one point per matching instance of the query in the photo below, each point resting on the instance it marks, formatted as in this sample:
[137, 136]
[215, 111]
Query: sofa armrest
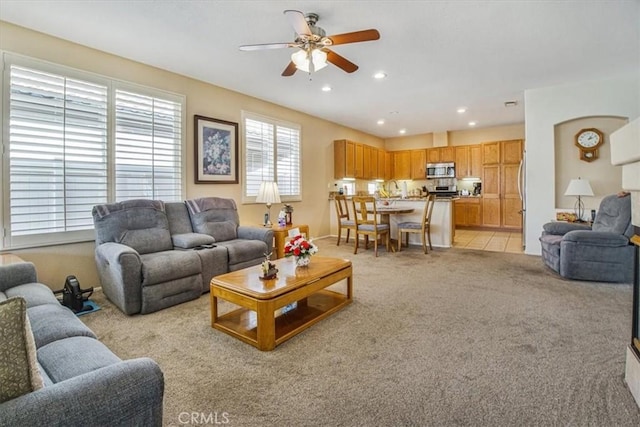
[596, 238]
[123, 394]
[120, 271]
[17, 274]
[559, 227]
[256, 233]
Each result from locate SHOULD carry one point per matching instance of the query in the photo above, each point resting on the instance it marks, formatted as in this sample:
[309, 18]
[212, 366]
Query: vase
[302, 261]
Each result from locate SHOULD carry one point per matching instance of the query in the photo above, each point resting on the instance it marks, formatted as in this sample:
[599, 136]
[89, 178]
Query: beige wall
[604, 178]
[460, 137]
[56, 262]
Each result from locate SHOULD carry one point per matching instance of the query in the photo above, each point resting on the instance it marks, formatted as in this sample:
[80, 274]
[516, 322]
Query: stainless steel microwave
[441, 170]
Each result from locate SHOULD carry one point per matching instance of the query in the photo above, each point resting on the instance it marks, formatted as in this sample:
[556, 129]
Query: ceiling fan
[313, 44]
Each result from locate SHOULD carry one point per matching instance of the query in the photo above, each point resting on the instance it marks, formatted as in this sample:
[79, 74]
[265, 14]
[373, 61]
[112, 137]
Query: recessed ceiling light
[461, 110]
[379, 75]
[472, 123]
[510, 103]
[380, 122]
[326, 88]
[402, 131]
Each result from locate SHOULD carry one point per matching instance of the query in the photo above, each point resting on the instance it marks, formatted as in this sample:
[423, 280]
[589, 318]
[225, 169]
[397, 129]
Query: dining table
[385, 213]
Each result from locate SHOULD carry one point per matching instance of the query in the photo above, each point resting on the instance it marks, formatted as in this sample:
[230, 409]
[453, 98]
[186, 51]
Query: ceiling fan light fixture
[301, 59]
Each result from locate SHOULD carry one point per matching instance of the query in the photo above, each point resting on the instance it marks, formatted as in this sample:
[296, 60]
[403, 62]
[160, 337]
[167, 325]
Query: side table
[280, 235]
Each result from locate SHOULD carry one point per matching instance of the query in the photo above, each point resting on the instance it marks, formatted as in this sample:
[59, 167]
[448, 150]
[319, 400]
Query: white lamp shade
[301, 59]
[268, 193]
[579, 187]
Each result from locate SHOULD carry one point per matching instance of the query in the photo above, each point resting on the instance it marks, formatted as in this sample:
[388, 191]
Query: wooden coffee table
[259, 321]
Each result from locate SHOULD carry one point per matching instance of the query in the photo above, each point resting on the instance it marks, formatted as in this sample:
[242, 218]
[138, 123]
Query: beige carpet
[456, 337]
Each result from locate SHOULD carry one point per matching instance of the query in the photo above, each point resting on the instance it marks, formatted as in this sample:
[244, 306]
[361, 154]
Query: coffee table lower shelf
[242, 323]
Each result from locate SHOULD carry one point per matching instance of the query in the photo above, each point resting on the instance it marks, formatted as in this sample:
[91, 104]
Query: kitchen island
[442, 224]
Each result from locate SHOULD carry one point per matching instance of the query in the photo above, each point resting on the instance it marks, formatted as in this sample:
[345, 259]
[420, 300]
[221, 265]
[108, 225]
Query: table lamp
[579, 187]
[268, 193]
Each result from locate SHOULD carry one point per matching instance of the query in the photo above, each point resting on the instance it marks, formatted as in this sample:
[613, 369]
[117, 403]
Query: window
[73, 140]
[272, 153]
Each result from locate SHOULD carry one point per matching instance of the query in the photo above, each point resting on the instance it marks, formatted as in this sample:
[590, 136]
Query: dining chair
[366, 216]
[423, 227]
[344, 220]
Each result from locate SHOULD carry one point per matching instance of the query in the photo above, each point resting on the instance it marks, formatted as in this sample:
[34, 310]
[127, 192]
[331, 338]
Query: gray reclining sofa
[151, 255]
[77, 380]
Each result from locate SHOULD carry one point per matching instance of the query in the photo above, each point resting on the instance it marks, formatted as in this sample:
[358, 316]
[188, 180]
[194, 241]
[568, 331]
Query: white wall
[546, 107]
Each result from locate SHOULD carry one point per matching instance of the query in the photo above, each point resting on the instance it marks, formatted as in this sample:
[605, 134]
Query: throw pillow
[18, 368]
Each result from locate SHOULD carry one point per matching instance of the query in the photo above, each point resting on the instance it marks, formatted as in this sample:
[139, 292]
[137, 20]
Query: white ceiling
[439, 55]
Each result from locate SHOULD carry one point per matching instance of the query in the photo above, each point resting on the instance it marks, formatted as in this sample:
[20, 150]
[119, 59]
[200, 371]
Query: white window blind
[148, 147]
[57, 151]
[272, 153]
[75, 140]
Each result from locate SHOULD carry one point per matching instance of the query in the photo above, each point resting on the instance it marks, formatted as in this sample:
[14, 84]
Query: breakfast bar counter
[442, 219]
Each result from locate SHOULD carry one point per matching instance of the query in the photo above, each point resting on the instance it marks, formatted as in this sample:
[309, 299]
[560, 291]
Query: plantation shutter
[288, 165]
[148, 147]
[272, 153]
[57, 151]
[259, 144]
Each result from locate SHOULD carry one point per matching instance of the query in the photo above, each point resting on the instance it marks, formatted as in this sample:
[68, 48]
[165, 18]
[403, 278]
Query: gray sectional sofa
[84, 383]
[151, 255]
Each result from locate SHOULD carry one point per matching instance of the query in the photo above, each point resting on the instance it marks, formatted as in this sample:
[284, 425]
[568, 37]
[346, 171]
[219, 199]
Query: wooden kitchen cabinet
[475, 160]
[468, 212]
[366, 162]
[462, 161]
[441, 154]
[373, 164]
[359, 164]
[381, 164]
[468, 159]
[344, 159]
[511, 151]
[388, 166]
[402, 164]
[511, 203]
[490, 153]
[433, 155]
[418, 164]
[501, 204]
[491, 196]
[447, 154]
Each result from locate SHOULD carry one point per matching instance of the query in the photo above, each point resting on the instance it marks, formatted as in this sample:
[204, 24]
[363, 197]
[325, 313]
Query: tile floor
[496, 241]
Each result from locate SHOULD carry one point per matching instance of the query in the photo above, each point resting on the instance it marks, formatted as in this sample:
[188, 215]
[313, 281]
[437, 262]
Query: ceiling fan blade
[249, 47]
[356, 36]
[340, 61]
[297, 21]
[290, 70]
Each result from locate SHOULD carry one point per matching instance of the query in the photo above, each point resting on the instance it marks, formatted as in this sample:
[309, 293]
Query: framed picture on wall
[216, 151]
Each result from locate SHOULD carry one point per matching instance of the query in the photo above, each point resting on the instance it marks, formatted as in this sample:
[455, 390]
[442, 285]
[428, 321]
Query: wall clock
[588, 141]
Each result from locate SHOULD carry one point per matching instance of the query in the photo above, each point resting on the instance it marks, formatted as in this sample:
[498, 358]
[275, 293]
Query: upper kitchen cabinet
[511, 151]
[402, 164]
[491, 153]
[366, 162]
[361, 161]
[418, 164]
[441, 154]
[388, 166]
[373, 163]
[447, 154]
[462, 161]
[344, 159]
[468, 159]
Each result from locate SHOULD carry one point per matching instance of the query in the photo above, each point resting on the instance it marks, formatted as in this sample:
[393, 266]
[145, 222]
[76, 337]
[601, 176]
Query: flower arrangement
[300, 248]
